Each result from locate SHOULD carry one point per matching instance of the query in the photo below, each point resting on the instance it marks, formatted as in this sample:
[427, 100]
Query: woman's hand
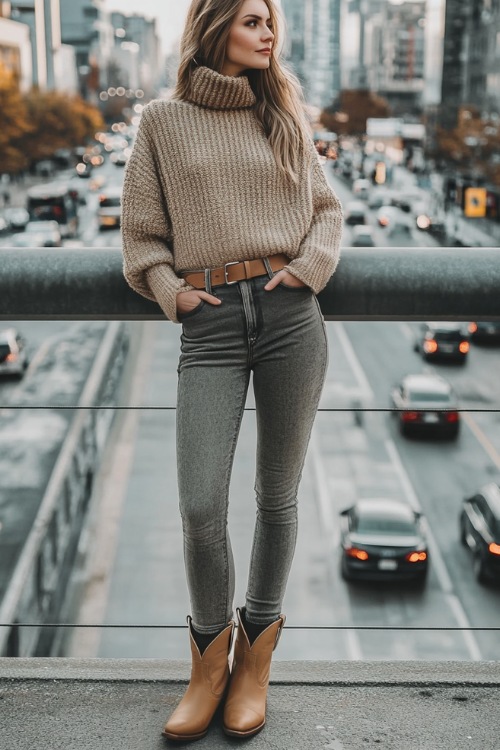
[286, 277]
[187, 301]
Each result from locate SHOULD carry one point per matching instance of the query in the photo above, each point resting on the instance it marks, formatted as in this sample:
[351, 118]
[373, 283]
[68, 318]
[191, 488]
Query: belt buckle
[233, 263]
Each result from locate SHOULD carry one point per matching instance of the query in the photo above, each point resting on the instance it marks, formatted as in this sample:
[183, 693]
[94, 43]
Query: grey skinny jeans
[280, 336]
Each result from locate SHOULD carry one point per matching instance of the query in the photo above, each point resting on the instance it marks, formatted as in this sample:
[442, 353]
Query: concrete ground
[122, 704]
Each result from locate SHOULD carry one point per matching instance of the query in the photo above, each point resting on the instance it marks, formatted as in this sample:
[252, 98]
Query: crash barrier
[36, 590]
[397, 283]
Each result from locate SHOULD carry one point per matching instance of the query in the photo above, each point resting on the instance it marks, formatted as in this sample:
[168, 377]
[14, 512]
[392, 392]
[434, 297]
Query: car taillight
[410, 416]
[416, 557]
[463, 347]
[359, 554]
[430, 346]
[11, 357]
[494, 548]
[472, 327]
[452, 416]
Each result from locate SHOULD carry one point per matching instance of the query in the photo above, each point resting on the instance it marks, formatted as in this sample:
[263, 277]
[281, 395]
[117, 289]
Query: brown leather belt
[231, 273]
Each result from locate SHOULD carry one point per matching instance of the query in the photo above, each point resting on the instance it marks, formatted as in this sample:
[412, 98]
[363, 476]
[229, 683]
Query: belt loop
[269, 270]
[208, 280]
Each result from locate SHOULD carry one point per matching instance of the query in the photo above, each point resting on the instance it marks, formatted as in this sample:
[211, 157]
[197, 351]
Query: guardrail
[370, 284]
[400, 284]
[38, 584]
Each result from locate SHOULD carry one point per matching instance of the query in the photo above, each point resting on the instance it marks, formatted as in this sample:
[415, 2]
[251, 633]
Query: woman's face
[250, 33]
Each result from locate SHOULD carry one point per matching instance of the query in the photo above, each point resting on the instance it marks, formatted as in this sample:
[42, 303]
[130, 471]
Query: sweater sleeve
[320, 249]
[146, 228]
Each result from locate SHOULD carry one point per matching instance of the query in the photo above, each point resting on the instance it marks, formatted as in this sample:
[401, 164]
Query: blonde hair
[279, 106]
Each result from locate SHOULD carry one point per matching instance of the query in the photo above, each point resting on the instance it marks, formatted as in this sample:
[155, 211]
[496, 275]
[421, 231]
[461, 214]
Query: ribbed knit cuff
[316, 274]
[165, 286]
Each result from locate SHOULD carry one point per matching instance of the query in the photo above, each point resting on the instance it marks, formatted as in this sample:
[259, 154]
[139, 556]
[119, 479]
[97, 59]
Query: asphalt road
[134, 564]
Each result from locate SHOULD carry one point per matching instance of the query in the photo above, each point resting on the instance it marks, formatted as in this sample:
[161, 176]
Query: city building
[394, 56]
[294, 13]
[314, 47]
[85, 25]
[15, 49]
[43, 20]
[141, 31]
[471, 58]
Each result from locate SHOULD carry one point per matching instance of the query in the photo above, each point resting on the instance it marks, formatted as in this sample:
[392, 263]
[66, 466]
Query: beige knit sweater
[202, 189]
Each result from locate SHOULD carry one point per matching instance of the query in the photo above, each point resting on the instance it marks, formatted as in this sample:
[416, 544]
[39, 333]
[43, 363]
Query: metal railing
[400, 284]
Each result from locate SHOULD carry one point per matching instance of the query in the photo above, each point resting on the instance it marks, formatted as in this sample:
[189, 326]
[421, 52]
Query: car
[443, 341]
[485, 331]
[109, 210]
[479, 524]
[426, 404]
[361, 188]
[362, 236]
[39, 234]
[383, 539]
[17, 218]
[394, 219]
[355, 213]
[4, 224]
[380, 197]
[118, 158]
[13, 358]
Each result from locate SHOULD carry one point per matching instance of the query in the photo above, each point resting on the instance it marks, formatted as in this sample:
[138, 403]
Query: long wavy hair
[279, 101]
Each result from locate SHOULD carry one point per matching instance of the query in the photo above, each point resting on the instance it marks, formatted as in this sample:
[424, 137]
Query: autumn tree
[58, 121]
[349, 114]
[15, 123]
[474, 144]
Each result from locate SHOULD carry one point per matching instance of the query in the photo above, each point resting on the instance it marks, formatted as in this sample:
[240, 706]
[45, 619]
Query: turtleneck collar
[215, 91]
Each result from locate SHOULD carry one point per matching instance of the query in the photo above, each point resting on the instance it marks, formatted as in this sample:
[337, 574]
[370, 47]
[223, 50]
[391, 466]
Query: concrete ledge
[68, 704]
[402, 673]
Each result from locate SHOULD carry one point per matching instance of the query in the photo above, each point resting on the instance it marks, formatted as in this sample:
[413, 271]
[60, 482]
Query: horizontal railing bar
[387, 409]
[288, 627]
[381, 283]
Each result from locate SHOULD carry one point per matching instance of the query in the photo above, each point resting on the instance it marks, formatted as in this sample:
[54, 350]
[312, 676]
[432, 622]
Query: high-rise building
[395, 54]
[314, 47]
[141, 31]
[471, 58]
[85, 26]
[42, 18]
[294, 12]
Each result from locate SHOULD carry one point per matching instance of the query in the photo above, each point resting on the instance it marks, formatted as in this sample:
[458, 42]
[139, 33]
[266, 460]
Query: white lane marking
[327, 520]
[354, 362]
[482, 438]
[437, 560]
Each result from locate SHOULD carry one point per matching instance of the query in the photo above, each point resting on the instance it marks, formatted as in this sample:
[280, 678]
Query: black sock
[203, 640]
[252, 629]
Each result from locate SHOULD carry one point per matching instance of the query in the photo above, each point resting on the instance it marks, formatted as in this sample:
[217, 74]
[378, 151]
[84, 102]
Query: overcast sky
[170, 15]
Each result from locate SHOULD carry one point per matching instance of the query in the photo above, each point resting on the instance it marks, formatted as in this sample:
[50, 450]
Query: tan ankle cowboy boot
[245, 708]
[209, 676]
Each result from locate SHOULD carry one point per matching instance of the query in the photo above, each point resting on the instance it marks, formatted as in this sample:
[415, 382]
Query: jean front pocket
[290, 288]
[181, 316]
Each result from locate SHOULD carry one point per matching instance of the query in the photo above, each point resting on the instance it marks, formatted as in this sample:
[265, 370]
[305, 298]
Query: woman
[230, 225]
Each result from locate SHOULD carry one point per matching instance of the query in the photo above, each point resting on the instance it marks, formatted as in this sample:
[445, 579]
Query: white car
[393, 218]
[109, 210]
[39, 234]
[362, 236]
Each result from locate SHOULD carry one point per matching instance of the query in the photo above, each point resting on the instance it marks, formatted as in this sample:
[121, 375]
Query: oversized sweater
[202, 188]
